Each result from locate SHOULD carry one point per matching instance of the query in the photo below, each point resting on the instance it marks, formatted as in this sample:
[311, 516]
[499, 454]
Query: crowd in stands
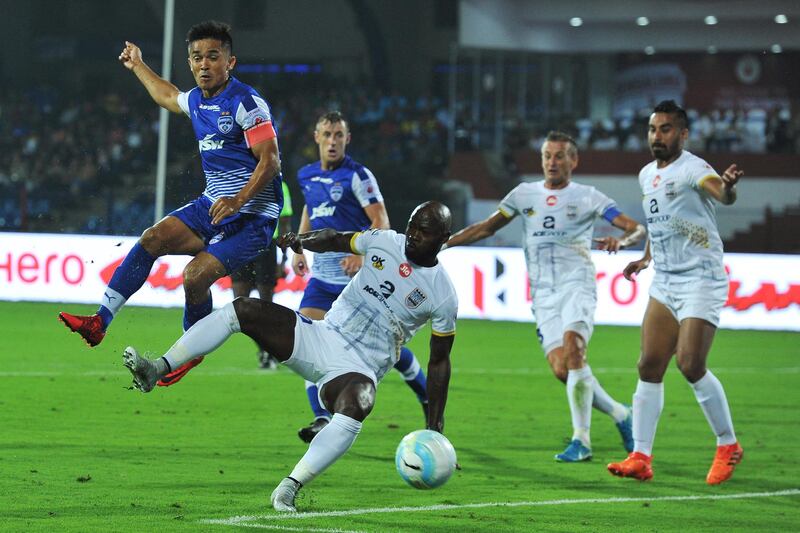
[85, 163]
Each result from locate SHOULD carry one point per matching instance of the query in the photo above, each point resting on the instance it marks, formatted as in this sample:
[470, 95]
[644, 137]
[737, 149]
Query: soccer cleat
[143, 370]
[176, 375]
[574, 453]
[89, 327]
[636, 465]
[308, 433]
[625, 429]
[283, 496]
[266, 361]
[725, 460]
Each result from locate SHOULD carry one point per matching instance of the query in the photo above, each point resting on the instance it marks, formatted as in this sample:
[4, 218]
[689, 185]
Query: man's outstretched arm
[323, 240]
[479, 230]
[161, 91]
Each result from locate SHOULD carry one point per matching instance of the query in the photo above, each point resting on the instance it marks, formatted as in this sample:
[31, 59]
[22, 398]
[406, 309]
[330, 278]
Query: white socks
[329, 444]
[604, 403]
[648, 401]
[711, 397]
[113, 301]
[580, 393]
[205, 336]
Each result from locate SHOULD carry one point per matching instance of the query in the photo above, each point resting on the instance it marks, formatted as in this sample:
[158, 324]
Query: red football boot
[88, 327]
[176, 375]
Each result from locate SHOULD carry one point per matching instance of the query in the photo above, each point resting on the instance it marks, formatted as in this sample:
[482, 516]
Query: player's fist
[634, 267]
[130, 56]
[299, 264]
[731, 176]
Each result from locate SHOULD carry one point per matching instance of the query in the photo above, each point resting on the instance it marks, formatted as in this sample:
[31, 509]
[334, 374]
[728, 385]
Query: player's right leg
[351, 397]
[271, 325]
[659, 341]
[169, 236]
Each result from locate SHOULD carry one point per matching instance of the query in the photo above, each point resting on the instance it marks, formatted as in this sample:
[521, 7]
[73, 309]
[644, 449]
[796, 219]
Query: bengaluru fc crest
[225, 123]
[336, 192]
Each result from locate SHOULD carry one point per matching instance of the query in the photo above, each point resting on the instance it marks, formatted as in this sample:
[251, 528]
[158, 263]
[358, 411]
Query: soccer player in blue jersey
[233, 220]
[342, 194]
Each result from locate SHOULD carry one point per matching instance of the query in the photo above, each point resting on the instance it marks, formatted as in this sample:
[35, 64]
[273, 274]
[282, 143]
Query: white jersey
[390, 297]
[680, 218]
[558, 226]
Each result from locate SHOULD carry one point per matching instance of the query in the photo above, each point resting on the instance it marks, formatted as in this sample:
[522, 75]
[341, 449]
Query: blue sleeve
[611, 213]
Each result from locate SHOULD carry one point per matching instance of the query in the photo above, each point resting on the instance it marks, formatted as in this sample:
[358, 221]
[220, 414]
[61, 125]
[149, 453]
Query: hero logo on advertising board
[491, 283]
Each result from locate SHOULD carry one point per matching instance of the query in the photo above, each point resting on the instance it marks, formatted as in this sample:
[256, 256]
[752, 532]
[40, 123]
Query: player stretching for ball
[232, 222]
[688, 292]
[356, 344]
[342, 194]
[558, 218]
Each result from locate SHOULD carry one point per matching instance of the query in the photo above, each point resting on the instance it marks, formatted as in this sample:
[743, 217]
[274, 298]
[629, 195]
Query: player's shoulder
[527, 188]
[689, 160]
[240, 89]
[309, 170]
[581, 188]
[648, 169]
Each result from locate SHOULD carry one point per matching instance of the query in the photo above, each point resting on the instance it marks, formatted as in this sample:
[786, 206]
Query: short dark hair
[211, 29]
[672, 108]
[561, 137]
[333, 117]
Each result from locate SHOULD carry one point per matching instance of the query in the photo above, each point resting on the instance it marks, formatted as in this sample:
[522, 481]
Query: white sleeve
[443, 319]
[365, 188]
[183, 103]
[699, 172]
[600, 202]
[508, 205]
[364, 239]
[252, 110]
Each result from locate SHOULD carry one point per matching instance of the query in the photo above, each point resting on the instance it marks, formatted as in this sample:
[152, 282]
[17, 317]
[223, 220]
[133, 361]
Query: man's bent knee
[693, 368]
[356, 399]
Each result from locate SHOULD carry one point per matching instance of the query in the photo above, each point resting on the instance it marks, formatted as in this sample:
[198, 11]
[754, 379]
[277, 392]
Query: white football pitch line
[251, 521]
[236, 371]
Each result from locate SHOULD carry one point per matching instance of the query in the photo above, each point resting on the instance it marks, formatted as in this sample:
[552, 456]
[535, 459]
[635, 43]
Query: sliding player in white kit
[558, 218]
[401, 286]
[688, 292]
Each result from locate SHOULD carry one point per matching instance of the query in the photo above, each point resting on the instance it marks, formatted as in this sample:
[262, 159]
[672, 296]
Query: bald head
[428, 229]
[436, 212]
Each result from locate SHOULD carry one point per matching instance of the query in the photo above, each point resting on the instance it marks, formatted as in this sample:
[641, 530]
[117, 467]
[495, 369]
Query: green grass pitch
[81, 452]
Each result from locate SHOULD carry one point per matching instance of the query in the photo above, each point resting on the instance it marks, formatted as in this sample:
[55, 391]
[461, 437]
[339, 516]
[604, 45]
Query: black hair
[672, 108]
[211, 29]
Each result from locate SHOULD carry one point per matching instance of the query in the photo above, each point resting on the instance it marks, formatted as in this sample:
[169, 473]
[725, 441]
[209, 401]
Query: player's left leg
[350, 397]
[409, 366]
[694, 344]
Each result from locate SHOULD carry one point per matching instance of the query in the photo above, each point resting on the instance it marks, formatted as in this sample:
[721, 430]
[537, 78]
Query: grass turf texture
[81, 452]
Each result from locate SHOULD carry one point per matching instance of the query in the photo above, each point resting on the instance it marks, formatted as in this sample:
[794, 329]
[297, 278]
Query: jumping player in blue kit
[233, 220]
[342, 194]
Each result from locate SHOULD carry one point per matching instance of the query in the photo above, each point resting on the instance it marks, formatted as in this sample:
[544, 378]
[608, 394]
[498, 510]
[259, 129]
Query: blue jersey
[226, 126]
[336, 199]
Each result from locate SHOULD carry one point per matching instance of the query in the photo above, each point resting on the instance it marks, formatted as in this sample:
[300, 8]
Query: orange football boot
[636, 465]
[176, 375]
[725, 460]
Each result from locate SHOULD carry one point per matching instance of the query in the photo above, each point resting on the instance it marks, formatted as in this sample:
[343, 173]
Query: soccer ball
[425, 459]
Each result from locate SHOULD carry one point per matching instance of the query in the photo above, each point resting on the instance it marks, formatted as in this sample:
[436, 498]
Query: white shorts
[321, 354]
[700, 297]
[570, 308]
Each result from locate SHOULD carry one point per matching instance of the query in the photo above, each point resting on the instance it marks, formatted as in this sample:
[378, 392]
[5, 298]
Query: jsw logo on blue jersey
[322, 210]
[208, 143]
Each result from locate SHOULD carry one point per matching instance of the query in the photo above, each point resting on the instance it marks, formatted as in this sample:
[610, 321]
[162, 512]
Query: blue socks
[193, 313]
[312, 391]
[413, 374]
[128, 278]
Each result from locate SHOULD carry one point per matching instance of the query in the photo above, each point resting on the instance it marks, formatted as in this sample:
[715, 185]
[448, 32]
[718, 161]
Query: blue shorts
[234, 242]
[320, 295]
